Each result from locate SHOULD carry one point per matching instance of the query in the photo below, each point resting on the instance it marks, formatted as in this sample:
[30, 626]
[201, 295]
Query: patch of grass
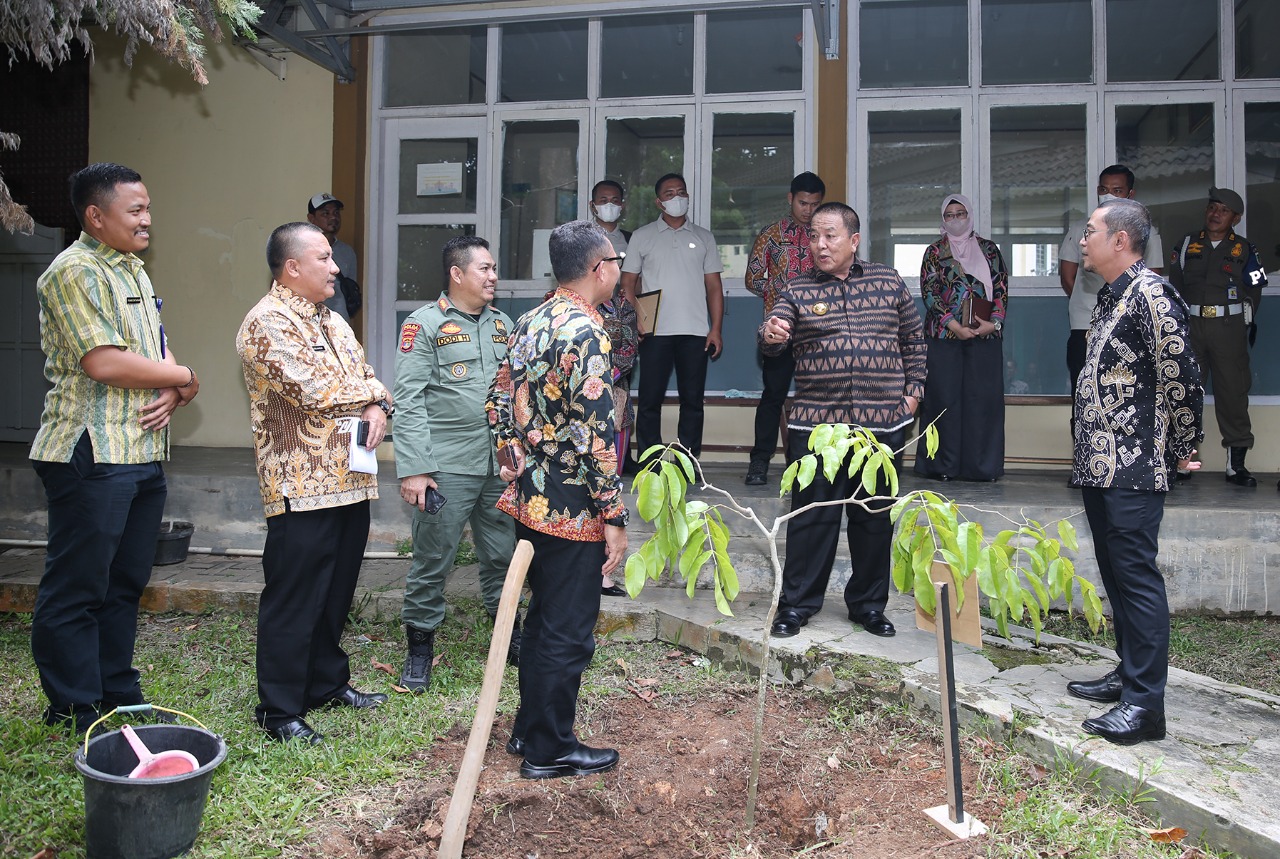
[1244, 650]
[466, 552]
[1004, 658]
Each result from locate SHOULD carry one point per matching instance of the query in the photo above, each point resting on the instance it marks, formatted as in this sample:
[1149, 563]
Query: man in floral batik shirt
[552, 407]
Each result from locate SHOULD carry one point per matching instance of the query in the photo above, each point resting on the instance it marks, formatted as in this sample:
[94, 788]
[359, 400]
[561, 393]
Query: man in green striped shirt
[103, 433]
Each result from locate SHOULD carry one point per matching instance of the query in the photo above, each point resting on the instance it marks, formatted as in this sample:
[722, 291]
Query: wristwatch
[619, 521]
[998, 323]
[386, 407]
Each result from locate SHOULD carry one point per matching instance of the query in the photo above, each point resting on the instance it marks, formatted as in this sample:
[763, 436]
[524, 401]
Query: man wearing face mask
[1218, 273]
[681, 259]
[608, 201]
[1081, 286]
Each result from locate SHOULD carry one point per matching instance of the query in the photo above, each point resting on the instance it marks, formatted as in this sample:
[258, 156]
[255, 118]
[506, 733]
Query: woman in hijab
[961, 272]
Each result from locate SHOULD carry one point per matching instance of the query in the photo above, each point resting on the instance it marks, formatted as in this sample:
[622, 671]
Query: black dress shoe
[612, 591]
[875, 623]
[295, 729]
[787, 623]
[1126, 724]
[758, 474]
[1106, 689]
[349, 697]
[583, 760]
[515, 746]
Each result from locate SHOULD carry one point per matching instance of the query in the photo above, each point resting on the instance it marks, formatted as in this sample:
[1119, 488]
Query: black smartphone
[507, 457]
[434, 502]
[362, 433]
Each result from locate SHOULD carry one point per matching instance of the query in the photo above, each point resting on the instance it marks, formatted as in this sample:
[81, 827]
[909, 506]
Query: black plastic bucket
[156, 818]
[172, 542]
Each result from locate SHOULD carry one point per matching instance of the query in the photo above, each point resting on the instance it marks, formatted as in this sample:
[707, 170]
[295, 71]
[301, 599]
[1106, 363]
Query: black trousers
[311, 562]
[812, 539]
[965, 386]
[558, 641]
[777, 372]
[103, 524]
[1126, 537]
[687, 355]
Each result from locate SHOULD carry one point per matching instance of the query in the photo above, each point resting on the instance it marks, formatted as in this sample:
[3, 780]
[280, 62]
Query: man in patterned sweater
[860, 359]
[1138, 415]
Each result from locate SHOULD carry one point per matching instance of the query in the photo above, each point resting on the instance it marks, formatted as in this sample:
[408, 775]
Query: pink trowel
[161, 765]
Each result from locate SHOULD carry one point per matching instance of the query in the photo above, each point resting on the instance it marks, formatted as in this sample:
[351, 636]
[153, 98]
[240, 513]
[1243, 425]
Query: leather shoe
[515, 746]
[787, 624]
[349, 697]
[1126, 724]
[583, 760]
[1106, 689]
[875, 623]
[612, 591]
[295, 729]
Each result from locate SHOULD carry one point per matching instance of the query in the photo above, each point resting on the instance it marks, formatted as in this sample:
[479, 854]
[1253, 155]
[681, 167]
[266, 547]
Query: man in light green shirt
[102, 436]
[449, 354]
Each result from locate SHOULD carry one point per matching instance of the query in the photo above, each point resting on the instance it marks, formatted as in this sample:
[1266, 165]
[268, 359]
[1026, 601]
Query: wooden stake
[455, 823]
[951, 816]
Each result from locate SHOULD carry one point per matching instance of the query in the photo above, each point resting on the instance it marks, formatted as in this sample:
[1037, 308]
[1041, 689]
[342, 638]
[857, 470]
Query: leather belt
[1212, 311]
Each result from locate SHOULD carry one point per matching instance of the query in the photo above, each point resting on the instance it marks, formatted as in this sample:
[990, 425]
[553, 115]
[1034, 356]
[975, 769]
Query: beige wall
[224, 164]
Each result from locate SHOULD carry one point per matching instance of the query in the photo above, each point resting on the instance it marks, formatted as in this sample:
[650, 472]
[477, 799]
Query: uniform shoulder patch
[408, 334]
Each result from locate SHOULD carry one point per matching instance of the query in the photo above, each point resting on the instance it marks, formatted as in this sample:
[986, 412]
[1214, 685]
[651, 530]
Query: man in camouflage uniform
[1220, 276]
[449, 354]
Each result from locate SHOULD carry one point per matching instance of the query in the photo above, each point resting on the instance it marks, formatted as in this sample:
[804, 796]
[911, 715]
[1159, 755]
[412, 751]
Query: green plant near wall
[1020, 571]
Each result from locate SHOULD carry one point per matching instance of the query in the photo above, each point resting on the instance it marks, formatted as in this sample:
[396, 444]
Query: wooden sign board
[966, 624]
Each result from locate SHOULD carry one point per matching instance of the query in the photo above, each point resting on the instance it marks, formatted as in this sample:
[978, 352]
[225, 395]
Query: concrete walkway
[1215, 775]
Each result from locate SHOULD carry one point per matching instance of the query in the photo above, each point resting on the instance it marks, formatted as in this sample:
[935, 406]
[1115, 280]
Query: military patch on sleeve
[459, 370]
[407, 335]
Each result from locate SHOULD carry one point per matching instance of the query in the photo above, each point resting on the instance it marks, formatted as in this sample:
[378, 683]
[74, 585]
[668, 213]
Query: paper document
[361, 460]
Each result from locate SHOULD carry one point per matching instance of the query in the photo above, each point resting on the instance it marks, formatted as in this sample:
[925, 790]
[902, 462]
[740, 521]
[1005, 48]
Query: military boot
[416, 676]
[1236, 472]
[513, 652]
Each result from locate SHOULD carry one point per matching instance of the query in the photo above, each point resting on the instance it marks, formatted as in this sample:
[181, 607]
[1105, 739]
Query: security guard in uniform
[1220, 276]
[449, 354]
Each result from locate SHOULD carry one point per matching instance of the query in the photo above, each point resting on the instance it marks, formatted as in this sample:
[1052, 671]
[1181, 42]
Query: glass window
[1037, 41]
[419, 263]
[755, 51]
[913, 161]
[1039, 182]
[1169, 147]
[753, 158]
[646, 55]
[1162, 40]
[1262, 182]
[539, 192]
[543, 61]
[1257, 51]
[638, 150]
[910, 43]
[436, 67]
[437, 176]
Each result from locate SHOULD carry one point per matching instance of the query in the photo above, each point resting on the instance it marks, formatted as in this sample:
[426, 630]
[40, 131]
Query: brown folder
[975, 308]
[647, 305]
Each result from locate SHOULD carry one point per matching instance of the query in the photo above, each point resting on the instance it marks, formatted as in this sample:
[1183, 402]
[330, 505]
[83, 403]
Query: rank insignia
[407, 335]
[451, 328]
[1238, 250]
[820, 309]
[1195, 249]
[459, 371]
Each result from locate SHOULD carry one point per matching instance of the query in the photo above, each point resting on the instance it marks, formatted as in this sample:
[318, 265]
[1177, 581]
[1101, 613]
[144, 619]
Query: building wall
[224, 164]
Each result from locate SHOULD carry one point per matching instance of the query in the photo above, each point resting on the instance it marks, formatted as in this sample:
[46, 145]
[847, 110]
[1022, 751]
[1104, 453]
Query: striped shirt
[858, 344]
[305, 372]
[780, 253]
[93, 295]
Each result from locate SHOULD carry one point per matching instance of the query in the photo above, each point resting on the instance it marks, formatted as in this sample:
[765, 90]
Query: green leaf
[726, 575]
[650, 451]
[858, 459]
[820, 437]
[695, 507]
[653, 492]
[900, 565]
[675, 485]
[686, 465]
[692, 559]
[931, 440]
[1067, 534]
[891, 474]
[831, 459]
[636, 574]
[788, 478]
[722, 604]
[869, 473]
[969, 541]
[690, 585]
[680, 527]
[925, 596]
[808, 467]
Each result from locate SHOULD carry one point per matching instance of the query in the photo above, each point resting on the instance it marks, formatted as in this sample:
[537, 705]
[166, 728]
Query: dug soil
[840, 777]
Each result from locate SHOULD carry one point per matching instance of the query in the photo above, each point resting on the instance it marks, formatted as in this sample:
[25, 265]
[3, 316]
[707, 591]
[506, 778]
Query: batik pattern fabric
[619, 320]
[552, 397]
[306, 373]
[1139, 402]
[780, 253]
[944, 285]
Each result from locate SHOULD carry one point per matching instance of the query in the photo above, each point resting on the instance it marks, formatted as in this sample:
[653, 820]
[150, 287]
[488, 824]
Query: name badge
[133, 299]
[317, 347]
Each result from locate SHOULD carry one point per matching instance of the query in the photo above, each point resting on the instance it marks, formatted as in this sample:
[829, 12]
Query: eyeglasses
[1088, 231]
[955, 216]
[618, 259]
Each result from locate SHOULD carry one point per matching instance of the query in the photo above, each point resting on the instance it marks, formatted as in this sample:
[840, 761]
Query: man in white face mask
[681, 259]
[1081, 287]
[608, 202]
